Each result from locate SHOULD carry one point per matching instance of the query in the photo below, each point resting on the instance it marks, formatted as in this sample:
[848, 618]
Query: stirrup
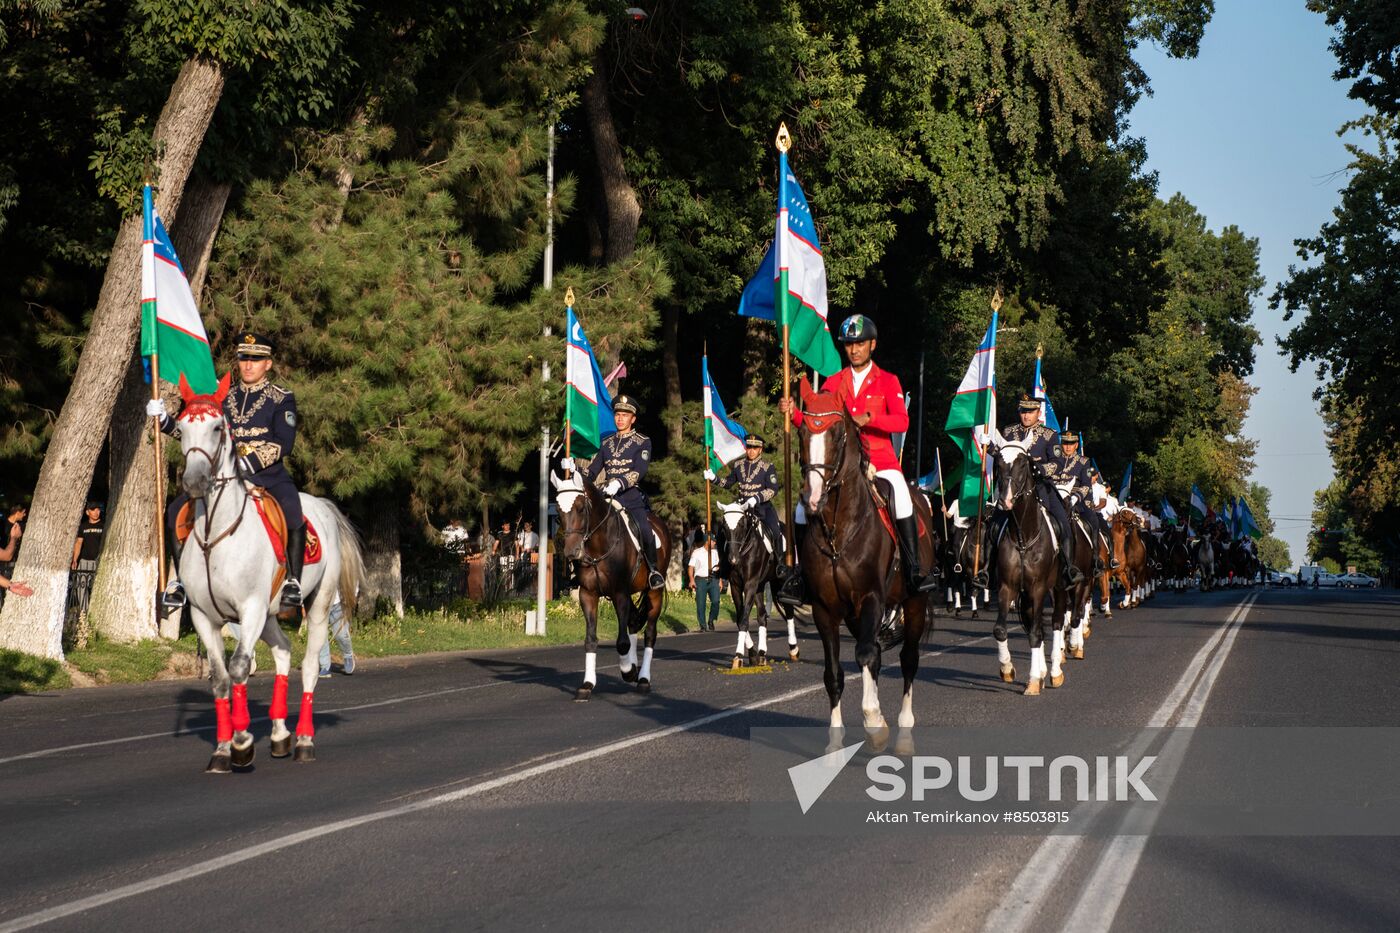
[291, 593]
[655, 580]
[981, 580]
[790, 591]
[172, 599]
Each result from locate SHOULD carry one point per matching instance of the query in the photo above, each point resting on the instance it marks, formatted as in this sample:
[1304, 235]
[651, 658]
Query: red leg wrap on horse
[304, 726]
[221, 716]
[278, 709]
[240, 708]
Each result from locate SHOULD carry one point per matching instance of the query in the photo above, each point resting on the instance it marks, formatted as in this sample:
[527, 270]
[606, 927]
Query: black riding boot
[1073, 575]
[1112, 558]
[173, 599]
[296, 557]
[790, 592]
[908, 529]
[655, 580]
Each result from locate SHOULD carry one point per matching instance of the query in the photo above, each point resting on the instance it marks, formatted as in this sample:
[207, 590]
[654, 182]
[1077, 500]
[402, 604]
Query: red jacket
[882, 396]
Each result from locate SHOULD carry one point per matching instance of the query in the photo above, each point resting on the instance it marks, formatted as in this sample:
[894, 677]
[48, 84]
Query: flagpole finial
[1039, 350]
[784, 139]
[997, 299]
[569, 297]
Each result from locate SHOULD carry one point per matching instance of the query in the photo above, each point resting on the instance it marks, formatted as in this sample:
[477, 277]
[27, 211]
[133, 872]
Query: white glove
[154, 408]
[750, 502]
[246, 465]
[1073, 501]
[709, 474]
[567, 464]
[613, 487]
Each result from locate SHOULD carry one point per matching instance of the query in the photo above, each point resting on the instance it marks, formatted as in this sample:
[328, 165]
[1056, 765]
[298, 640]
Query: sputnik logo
[811, 778]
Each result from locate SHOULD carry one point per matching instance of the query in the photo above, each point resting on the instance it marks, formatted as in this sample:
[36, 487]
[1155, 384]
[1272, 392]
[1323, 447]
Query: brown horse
[595, 535]
[850, 559]
[1127, 542]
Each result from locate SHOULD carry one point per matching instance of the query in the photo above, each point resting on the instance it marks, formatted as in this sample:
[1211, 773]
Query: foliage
[27, 673]
[1367, 36]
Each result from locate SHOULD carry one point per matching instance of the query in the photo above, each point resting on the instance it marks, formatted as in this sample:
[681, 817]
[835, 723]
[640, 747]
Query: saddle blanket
[628, 524]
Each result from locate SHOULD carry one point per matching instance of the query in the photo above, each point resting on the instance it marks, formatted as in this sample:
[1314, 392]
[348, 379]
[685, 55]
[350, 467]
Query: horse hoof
[737, 663]
[1057, 680]
[583, 694]
[1077, 653]
[630, 676]
[644, 686]
[1008, 673]
[304, 753]
[762, 658]
[219, 764]
[282, 747]
[243, 757]
[1032, 689]
[793, 653]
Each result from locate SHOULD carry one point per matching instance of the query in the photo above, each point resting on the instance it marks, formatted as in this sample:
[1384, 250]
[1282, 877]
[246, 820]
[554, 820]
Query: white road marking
[249, 853]
[1026, 897]
[392, 701]
[1102, 892]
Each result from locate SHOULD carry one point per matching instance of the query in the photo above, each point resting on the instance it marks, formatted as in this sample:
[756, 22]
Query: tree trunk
[123, 604]
[35, 625]
[383, 566]
[759, 347]
[671, 371]
[624, 210]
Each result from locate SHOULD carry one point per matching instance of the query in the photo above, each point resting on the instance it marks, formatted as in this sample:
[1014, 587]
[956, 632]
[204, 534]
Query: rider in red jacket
[875, 400]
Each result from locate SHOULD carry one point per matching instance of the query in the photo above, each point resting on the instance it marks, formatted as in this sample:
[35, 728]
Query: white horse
[228, 568]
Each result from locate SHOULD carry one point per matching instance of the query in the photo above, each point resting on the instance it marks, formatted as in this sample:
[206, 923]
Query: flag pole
[709, 459]
[157, 446]
[784, 142]
[568, 396]
[942, 494]
[982, 483]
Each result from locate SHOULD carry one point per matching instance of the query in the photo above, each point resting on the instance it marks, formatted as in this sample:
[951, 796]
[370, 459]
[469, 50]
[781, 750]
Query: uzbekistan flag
[170, 326]
[1047, 411]
[972, 418]
[1246, 522]
[1128, 485]
[588, 408]
[799, 291]
[1168, 513]
[1198, 504]
[724, 438]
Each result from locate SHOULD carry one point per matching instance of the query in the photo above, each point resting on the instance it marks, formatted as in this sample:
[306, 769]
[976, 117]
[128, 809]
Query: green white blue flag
[170, 324]
[588, 408]
[724, 438]
[972, 418]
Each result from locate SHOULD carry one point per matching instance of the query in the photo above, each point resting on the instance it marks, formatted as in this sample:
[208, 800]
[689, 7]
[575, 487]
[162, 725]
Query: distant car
[1313, 575]
[1357, 579]
[1282, 578]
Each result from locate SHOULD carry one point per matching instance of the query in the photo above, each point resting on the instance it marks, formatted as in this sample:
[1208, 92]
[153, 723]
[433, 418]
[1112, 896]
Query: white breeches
[903, 502]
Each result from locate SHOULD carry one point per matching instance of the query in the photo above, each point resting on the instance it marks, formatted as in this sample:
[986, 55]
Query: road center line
[1021, 909]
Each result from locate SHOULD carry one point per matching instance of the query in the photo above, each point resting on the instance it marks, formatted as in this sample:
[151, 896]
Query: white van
[1314, 575]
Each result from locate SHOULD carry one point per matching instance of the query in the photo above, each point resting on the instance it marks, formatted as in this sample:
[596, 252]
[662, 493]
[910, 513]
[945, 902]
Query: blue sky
[1247, 132]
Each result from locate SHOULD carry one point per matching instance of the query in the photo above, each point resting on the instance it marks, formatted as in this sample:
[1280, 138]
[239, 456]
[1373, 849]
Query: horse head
[205, 438]
[828, 445]
[578, 501]
[1014, 474]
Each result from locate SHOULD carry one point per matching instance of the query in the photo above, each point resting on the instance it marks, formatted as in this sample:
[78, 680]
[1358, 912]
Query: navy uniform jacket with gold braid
[264, 419]
[1042, 440]
[756, 479]
[1073, 469]
[625, 458]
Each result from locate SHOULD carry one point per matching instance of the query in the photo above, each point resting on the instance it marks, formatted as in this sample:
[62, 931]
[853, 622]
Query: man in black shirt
[89, 543]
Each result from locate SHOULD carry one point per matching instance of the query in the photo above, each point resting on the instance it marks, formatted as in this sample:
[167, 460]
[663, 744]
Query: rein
[221, 483]
[1021, 544]
[587, 559]
[831, 548]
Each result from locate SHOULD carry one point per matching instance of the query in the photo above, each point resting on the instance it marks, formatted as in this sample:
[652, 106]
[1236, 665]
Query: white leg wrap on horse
[590, 667]
[870, 700]
[645, 673]
[986, 596]
[1057, 651]
[974, 603]
[1038, 663]
[836, 722]
[792, 631]
[1076, 638]
[740, 648]
[763, 639]
[906, 710]
[1004, 652]
[629, 660]
[950, 594]
[957, 601]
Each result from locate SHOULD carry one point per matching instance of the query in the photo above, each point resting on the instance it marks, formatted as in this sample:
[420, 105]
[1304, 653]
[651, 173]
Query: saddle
[274, 523]
[883, 494]
[632, 530]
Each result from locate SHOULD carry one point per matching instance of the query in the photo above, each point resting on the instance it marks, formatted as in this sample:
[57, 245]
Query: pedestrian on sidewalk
[705, 583]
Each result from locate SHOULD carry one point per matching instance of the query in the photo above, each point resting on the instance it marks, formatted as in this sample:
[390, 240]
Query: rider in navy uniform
[1040, 445]
[1072, 469]
[756, 482]
[621, 462]
[264, 419]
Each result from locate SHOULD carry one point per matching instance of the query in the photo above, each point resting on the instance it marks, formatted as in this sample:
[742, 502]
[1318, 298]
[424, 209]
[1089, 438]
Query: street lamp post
[542, 527]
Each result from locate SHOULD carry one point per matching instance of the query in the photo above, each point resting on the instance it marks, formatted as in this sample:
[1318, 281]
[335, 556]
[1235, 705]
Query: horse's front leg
[829, 629]
[754, 590]
[743, 641]
[219, 681]
[626, 637]
[282, 660]
[651, 600]
[868, 659]
[252, 618]
[588, 602]
[1007, 670]
[1034, 623]
[317, 631]
[1059, 623]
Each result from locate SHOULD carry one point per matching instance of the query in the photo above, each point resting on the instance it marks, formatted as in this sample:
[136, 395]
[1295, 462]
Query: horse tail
[352, 561]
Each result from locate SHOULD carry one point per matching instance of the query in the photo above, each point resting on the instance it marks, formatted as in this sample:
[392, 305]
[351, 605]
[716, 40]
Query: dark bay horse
[1132, 557]
[609, 564]
[1178, 558]
[1027, 570]
[850, 559]
[751, 566]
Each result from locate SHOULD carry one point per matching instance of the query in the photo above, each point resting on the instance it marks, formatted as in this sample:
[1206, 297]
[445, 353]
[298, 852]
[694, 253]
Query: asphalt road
[468, 791]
